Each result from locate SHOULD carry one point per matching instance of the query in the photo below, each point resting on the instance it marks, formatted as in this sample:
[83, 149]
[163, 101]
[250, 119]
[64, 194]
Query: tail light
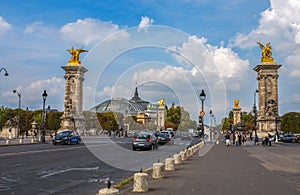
[168, 139]
[134, 139]
[149, 140]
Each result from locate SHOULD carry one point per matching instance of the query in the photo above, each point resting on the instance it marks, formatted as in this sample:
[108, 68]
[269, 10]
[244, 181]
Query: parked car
[144, 140]
[289, 138]
[66, 137]
[164, 138]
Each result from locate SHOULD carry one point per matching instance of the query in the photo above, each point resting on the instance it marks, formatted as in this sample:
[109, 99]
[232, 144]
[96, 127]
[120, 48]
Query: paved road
[226, 170]
[73, 169]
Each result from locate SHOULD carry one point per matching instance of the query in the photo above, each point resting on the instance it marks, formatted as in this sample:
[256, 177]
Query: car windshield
[142, 136]
[163, 135]
[64, 133]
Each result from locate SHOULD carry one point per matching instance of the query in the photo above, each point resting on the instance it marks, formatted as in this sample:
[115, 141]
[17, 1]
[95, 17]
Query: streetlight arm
[5, 74]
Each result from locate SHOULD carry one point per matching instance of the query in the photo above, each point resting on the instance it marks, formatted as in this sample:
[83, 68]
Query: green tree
[186, 122]
[53, 120]
[173, 117]
[290, 122]
[5, 115]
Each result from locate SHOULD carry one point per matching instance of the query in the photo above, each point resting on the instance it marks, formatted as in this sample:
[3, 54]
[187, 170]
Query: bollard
[21, 141]
[140, 182]
[169, 164]
[182, 155]
[189, 152]
[7, 141]
[157, 171]
[177, 159]
[106, 191]
[217, 142]
[32, 141]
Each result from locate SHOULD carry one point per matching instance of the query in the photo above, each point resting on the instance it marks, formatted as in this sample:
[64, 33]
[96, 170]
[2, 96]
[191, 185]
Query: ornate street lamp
[19, 94]
[210, 125]
[276, 129]
[44, 96]
[5, 74]
[202, 97]
[255, 112]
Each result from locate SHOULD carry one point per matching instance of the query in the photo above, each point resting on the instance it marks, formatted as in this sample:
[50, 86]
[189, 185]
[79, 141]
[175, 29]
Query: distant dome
[121, 105]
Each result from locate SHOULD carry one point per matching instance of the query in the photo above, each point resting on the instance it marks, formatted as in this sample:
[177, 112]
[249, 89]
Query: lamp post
[255, 112]
[210, 125]
[202, 113]
[19, 94]
[44, 96]
[5, 74]
[276, 129]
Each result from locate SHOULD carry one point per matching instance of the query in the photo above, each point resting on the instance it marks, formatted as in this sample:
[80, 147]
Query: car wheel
[78, 141]
[54, 143]
[134, 148]
[68, 142]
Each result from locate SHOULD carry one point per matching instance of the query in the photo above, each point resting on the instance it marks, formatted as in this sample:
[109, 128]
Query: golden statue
[161, 103]
[75, 55]
[266, 54]
[236, 103]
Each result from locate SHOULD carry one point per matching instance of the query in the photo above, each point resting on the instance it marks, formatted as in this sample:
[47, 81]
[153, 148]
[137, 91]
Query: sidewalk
[223, 170]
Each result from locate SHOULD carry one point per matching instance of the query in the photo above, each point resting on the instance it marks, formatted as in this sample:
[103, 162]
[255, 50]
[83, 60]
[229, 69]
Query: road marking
[70, 169]
[38, 151]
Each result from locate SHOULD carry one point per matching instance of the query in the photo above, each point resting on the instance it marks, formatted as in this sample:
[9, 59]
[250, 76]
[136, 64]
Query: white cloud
[87, 31]
[145, 23]
[39, 29]
[280, 25]
[31, 96]
[4, 26]
[214, 62]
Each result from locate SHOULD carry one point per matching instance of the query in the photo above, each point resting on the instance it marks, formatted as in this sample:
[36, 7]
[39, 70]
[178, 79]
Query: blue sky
[171, 49]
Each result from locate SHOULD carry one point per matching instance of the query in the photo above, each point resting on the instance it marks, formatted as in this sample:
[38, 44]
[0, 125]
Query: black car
[144, 140]
[66, 137]
[164, 138]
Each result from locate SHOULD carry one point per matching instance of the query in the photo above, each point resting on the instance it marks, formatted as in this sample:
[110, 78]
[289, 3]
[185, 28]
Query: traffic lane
[68, 170]
[122, 156]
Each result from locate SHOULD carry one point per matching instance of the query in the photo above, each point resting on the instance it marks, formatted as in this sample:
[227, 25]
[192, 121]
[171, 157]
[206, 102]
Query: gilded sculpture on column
[75, 53]
[266, 52]
[236, 103]
[161, 103]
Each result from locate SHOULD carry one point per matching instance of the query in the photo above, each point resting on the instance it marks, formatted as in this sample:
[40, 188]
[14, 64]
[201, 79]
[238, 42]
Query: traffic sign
[202, 113]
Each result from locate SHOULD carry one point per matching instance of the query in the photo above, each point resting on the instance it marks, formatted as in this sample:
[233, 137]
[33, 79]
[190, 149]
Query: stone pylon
[268, 118]
[161, 116]
[73, 98]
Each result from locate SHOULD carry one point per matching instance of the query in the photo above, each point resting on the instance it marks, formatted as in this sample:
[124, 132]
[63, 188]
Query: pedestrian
[240, 138]
[251, 136]
[233, 138]
[227, 139]
[236, 139]
[256, 140]
[244, 139]
[269, 136]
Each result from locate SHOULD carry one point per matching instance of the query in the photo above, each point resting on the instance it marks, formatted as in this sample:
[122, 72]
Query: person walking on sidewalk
[256, 140]
[227, 139]
[236, 140]
[244, 139]
[269, 136]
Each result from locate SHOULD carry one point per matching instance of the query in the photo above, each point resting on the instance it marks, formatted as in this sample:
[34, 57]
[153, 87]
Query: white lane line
[37, 151]
[70, 169]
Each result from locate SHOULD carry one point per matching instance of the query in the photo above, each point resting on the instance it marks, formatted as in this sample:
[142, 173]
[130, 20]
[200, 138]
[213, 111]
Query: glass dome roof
[121, 105]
